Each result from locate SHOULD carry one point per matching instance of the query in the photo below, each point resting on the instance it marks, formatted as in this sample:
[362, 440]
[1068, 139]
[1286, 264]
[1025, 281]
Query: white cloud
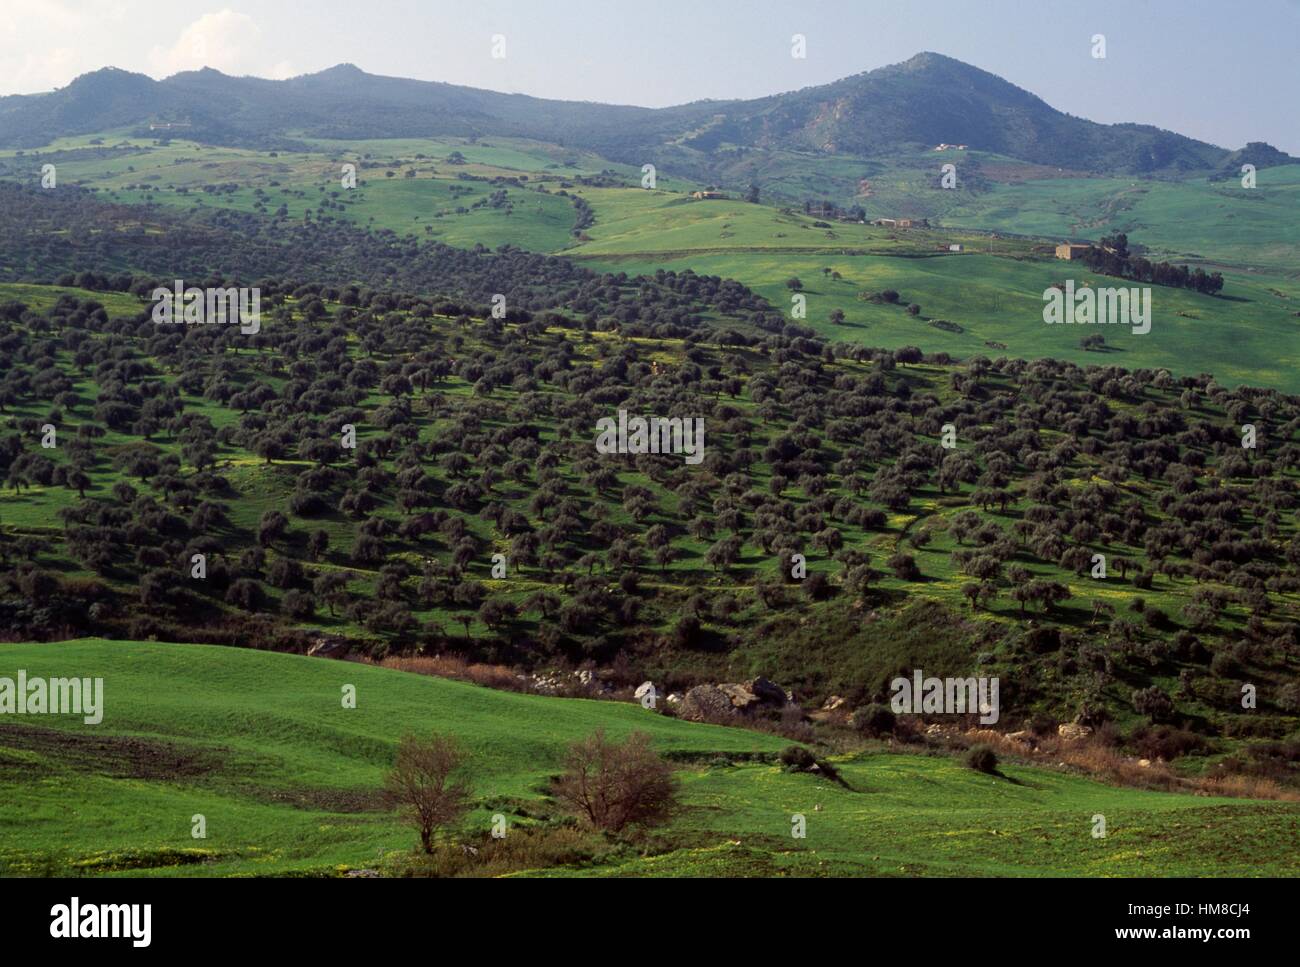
[227, 40]
[46, 69]
[45, 44]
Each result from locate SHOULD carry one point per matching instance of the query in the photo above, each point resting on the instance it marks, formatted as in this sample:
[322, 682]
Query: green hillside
[662, 571]
[286, 778]
[1248, 335]
[988, 297]
[1214, 222]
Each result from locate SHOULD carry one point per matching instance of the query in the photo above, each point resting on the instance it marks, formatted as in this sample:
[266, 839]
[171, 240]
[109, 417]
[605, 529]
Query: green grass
[1199, 220]
[269, 734]
[1246, 336]
[260, 745]
[632, 222]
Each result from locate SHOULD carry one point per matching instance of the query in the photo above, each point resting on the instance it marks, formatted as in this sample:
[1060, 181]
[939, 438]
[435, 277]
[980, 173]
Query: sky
[1227, 73]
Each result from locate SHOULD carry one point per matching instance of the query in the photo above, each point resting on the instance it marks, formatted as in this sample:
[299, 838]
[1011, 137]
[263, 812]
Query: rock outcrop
[706, 703]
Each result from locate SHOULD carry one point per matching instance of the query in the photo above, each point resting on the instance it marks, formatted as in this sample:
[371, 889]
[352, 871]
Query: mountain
[919, 103]
[931, 99]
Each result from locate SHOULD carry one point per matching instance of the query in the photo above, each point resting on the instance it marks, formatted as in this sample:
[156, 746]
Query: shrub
[874, 719]
[796, 758]
[299, 605]
[247, 594]
[982, 759]
[817, 586]
[904, 567]
[1042, 724]
[1166, 742]
[423, 783]
[1224, 664]
[687, 632]
[612, 785]
[1154, 703]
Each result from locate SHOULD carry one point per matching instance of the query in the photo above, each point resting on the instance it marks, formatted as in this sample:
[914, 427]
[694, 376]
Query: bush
[247, 594]
[1224, 664]
[817, 586]
[299, 605]
[874, 719]
[796, 758]
[982, 759]
[612, 785]
[1042, 724]
[1166, 742]
[425, 783]
[1153, 703]
[904, 567]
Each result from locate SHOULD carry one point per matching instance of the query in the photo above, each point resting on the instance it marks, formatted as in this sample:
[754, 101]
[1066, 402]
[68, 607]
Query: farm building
[1069, 250]
[902, 222]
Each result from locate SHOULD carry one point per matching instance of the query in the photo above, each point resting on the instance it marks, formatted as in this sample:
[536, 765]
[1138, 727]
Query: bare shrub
[1247, 787]
[452, 666]
[612, 785]
[423, 784]
[1111, 765]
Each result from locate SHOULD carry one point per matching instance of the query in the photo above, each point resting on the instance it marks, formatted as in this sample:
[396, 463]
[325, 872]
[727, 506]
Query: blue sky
[1226, 73]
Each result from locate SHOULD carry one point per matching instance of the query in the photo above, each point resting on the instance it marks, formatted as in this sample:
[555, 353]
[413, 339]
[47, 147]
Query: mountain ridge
[923, 101]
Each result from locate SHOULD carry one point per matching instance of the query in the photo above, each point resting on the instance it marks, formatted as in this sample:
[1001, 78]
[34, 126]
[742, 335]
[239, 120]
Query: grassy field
[633, 222]
[1219, 223]
[286, 779]
[991, 291]
[1247, 335]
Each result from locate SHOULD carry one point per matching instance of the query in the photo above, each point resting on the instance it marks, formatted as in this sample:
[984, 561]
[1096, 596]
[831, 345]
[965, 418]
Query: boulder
[1071, 731]
[741, 696]
[705, 703]
[833, 703]
[328, 646]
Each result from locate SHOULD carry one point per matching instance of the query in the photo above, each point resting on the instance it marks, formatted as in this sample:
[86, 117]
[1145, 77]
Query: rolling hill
[287, 782]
